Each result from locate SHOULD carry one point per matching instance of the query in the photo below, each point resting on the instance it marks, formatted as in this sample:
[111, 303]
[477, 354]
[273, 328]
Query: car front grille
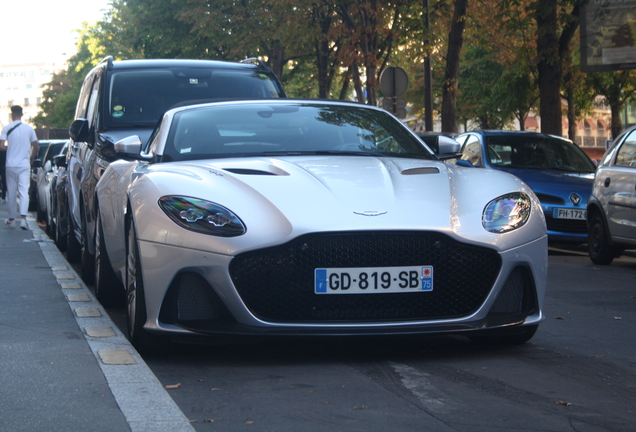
[568, 226]
[277, 283]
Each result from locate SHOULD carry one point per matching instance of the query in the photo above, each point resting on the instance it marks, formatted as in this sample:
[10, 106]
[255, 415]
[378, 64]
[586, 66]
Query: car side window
[626, 155]
[471, 151]
[93, 100]
[84, 98]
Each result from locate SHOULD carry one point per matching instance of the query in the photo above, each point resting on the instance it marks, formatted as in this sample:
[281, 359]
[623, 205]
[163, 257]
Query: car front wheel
[108, 289]
[598, 242]
[73, 246]
[136, 316]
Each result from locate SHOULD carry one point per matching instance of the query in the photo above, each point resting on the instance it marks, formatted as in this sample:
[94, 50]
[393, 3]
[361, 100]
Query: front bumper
[196, 292]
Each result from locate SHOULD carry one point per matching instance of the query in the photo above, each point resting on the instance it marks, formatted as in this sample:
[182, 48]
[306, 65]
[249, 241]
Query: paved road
[577, 374]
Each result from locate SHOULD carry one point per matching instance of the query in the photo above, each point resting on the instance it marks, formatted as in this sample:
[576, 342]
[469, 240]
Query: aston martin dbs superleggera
[306, 217]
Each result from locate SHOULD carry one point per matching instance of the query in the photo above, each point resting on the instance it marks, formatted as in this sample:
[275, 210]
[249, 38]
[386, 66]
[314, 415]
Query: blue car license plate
[373, 280]
[565, 213]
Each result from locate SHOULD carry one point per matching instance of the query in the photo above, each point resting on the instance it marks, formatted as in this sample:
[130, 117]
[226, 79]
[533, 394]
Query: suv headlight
[506, 213]
[202, 216]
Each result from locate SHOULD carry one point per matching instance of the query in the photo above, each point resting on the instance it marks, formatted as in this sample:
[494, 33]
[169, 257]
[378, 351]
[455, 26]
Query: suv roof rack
[257, 62]
[109, 60]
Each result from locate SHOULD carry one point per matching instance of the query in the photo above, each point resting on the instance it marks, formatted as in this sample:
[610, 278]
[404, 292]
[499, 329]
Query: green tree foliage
[153, 29]
[617, 88]
[338, 49]
[60, 95]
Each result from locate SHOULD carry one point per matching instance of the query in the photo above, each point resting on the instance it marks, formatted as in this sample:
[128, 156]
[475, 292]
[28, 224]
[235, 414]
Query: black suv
[123, 98]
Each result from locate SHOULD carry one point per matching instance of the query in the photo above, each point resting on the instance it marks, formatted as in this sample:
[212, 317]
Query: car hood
[555, 182]
[280, 198]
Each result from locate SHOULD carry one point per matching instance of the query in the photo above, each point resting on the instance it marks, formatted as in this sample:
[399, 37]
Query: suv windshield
[139, 97]
[537, 153]
[292, 129]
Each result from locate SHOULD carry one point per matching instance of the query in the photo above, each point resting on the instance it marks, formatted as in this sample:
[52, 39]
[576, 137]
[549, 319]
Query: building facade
[22, 83]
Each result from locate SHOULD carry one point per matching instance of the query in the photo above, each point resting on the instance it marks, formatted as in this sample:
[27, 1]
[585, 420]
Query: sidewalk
[64, 366]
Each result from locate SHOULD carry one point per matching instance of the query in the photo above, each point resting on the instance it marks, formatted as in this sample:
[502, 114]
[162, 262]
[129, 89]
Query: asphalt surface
[64, 365]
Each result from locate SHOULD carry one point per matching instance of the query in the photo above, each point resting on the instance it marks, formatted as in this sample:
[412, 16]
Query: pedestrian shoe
[24, 225]
[8, 223]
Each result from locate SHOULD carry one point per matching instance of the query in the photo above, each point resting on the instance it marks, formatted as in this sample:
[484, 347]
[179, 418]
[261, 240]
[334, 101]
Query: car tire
[136, 316]
[40, 214]
[108, 290]
[87, 260]
[73, 247]
[58, 237]
[516, 336]
[599, 246]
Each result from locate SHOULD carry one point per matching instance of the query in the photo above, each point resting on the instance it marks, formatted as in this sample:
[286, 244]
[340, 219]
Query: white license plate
[373, 280]
[564, 213]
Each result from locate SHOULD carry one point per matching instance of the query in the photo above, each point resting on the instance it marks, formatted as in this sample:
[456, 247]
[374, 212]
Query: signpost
[393, 82]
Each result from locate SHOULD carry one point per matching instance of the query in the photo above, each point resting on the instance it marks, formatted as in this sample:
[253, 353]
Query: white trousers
[17, 187]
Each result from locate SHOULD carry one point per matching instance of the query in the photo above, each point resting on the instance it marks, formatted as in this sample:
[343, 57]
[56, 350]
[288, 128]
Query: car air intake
[420, 171]
[277, 283]
[516, 300]
[191, 299]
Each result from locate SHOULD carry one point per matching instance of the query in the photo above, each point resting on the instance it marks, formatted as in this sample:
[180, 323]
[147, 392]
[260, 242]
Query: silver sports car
[302, 217]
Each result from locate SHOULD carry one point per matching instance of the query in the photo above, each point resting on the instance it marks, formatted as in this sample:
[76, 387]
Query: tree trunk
[357, 82]
[451, 76]
[617, 124]
[571, 114]
[277, 58]
[549, 67]
[344, 90]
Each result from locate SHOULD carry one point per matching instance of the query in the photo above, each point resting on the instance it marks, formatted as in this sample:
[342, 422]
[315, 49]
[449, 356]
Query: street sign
[393, 81]
[394, 105]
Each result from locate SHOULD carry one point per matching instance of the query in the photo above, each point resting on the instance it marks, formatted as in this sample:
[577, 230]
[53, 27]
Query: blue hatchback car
[557, 170]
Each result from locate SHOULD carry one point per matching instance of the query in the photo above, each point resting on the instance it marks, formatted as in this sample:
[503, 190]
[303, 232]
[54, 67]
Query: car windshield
[537, 153]
[140, 97]
[288, 129]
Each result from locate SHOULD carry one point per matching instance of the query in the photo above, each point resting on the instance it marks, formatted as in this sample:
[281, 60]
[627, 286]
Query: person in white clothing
[21, 146]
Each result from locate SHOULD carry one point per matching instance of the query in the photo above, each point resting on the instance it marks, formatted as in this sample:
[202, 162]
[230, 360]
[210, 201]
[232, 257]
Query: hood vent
[420, 170]
[246, 171]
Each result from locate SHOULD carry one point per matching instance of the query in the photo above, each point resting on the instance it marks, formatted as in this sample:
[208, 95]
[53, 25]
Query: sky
[41, 30]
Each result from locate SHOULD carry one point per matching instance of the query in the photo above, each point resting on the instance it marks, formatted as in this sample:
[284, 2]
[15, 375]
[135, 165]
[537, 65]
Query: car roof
[283, 101]
[487, 132]
[176, 63]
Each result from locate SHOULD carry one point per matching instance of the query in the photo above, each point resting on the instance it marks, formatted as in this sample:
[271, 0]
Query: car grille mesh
[277, 283]
[569, 226]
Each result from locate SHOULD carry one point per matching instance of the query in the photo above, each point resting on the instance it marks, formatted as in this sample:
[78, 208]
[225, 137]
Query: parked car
[57, 163]
[44, 144]
[300, 217]
[59, 209]
[122, 98]
[43, 175]
[557, 170]
[611, 210]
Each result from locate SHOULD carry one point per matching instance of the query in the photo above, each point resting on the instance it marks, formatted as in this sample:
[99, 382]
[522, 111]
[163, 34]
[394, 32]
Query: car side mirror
[79, 130]
[47, 166]
[60, 160]
[129, 146]
[447, 148]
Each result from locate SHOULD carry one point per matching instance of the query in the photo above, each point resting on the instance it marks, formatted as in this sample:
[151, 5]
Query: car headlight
[506, 213]
[202, 216]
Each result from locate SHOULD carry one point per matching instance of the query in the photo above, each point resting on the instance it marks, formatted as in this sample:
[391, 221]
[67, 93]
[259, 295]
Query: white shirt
[19, 148]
